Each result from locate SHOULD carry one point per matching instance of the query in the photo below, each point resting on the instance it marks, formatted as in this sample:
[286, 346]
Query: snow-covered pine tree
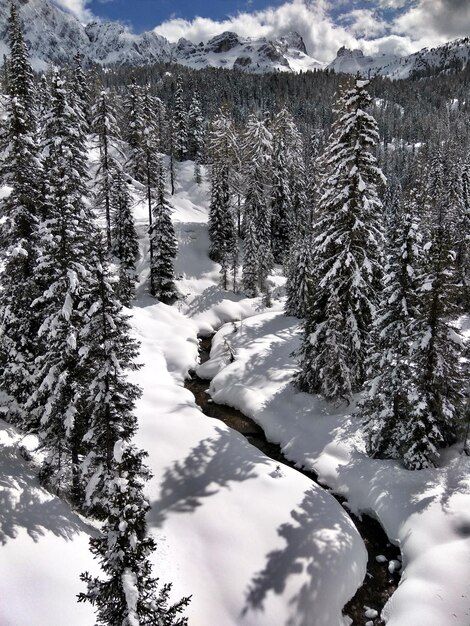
[282, 222]
[114, 469]
[80, 92]
[196, 136]
[250, 276]
[223, 247]
[392, 404]
[128, 595]
[285, 131]
[124, 236]
[180, 123]
[20, 74]
[19, 233]
[438, 346]
[150, 144]
[299, 277]
[135, 126]
[63, 272]
[106, 129]
[347, 248]
[463, 246]
[163, 244]
[109, 353]
[258, 158]
[224, 148]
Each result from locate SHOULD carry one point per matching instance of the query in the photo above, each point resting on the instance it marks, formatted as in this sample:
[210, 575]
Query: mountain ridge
[55, 36]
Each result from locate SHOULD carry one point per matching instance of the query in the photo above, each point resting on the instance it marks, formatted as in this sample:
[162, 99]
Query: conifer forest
[294, 246]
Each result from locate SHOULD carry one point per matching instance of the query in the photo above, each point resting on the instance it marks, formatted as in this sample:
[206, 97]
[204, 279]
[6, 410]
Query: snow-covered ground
[255, 543]
[427, 512]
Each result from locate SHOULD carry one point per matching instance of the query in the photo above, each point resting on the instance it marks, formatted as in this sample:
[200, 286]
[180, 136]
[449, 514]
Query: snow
[43, 547]
[129, 584]
[254, 542]
[425, 512]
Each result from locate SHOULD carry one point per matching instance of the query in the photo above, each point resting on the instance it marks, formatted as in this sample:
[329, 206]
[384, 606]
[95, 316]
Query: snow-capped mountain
[452, 56]
[260, 55]
[54, 36]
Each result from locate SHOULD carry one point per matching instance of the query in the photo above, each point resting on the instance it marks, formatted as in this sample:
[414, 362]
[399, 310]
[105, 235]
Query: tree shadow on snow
[322, 551]
[211, 297]
[24, 504]
[193, 259]
[211, 465]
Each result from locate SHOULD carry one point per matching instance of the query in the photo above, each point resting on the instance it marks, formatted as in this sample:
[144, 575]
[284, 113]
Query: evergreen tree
[63, 271]
[163, 245]
[437, 350]
[135, 127]
[392, 404]
[129, 594]
[298, 278]
[250, 276]
[109, 353]
[282, 223]
[20, 234]
[222, 234]
[180, 123]
[258, 156]
[196, 136]
[462, 235]
[20, 74]
[288, 143]
[347, 249]
[124, 237]
[105, 127]
[80, 92]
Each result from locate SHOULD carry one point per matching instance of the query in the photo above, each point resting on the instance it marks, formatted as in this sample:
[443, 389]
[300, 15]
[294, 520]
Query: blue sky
[375, 26]
[146, 14]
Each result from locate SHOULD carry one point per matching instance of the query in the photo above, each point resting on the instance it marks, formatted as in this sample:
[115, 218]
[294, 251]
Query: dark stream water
[379, 583]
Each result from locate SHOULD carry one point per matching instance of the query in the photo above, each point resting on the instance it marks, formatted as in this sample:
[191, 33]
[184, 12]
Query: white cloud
[77, 8]
[309, 18]
[364, 23]
[326, 25]
[434, 21]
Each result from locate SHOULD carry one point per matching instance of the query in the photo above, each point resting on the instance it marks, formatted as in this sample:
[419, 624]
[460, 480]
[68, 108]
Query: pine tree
[180, 123]
[114, 469]
[124, 237]
[258, 156]
[135, 127]
[462, 235]
[163, 245]
[222, 234]
[196, 136]
[20, 234]
[80, 92]
[392, 405]
[105, 127]
[282, 222]
[63, 271]
[109, 353]
[437, 350]
[288, 142]
[250, 276]
[129, 594]
[347, 249]
[20, 77]
[299, 277]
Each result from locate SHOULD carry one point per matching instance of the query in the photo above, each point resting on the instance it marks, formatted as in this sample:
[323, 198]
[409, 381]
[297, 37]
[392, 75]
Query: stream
[379, 583]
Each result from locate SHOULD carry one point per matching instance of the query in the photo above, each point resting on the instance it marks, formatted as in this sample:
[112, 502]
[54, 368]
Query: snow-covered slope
[247, 54]
[452, 56]
[54, 36]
